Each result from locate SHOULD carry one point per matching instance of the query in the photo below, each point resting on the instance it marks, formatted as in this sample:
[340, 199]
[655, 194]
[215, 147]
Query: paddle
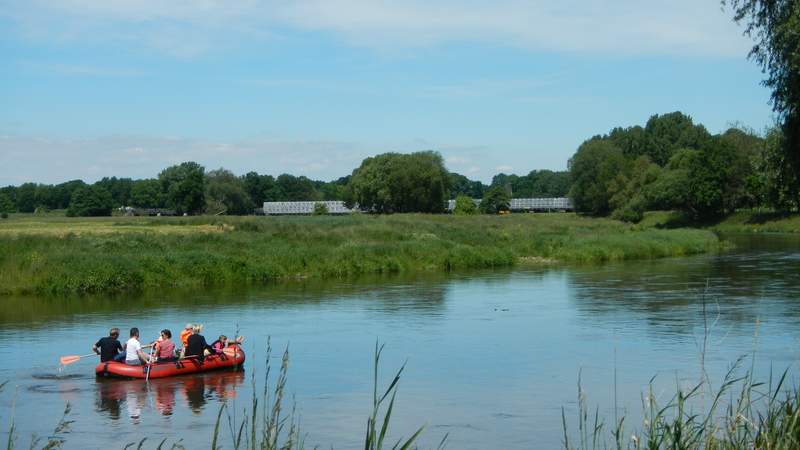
[150, 363]
[69, 359]
[74, 358]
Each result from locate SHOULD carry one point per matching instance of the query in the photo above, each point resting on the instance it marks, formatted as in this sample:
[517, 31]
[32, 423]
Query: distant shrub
[495, 200]
[320, 209]
[465, 206]
[3, 215]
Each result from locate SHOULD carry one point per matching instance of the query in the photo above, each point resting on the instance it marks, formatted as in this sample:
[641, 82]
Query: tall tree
[775, 26]
[667, 133]
[394, 182]
[26, 197]
[226, 194]
[146, 193]
[598, 171]
[184, 187]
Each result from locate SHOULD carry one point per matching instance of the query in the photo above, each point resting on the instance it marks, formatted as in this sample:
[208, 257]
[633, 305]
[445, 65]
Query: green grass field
[58, 255]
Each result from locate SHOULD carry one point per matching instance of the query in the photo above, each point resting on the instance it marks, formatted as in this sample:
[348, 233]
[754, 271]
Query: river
[491, 357]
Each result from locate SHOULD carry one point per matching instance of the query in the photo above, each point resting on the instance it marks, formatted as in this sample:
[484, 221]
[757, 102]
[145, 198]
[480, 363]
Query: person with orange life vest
[187, 331]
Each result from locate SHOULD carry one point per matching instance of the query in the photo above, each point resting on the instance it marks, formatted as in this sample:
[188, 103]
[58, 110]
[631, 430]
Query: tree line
[386, 183]
[672, 163]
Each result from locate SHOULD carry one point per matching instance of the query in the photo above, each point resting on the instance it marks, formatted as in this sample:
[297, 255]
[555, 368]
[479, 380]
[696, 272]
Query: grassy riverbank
[116, 254]
[738, 222]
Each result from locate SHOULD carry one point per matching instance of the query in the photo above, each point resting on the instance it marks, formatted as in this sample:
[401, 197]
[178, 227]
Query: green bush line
[259, 250]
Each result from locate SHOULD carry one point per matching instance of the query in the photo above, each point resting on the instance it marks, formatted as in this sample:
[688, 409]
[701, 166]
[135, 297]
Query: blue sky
[311, 87]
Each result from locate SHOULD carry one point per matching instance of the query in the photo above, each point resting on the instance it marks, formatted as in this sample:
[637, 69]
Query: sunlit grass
[120, 254]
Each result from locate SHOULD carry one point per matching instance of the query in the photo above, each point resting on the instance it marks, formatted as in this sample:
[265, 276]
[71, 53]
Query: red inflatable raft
[232, 357]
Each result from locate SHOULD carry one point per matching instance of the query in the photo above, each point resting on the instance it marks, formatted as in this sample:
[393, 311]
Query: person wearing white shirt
[133, 350]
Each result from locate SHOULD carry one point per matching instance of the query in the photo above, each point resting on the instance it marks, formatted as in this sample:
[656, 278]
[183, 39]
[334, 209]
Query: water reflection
[738, 287]
[135, 397]
[35, 312]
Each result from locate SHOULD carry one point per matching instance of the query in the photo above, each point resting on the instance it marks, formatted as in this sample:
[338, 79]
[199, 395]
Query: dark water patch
[54, 389]
[60, 376]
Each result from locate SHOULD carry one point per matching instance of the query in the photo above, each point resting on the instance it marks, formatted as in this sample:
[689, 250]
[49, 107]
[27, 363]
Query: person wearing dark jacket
[109, 347]
[197, 344]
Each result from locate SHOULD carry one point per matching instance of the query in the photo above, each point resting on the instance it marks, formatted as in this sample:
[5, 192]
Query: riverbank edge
[114, 255]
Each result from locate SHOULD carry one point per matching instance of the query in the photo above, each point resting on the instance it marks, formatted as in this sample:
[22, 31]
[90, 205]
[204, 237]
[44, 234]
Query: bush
[465, 206]
[495, 200]
[3, 215]
[320, 209]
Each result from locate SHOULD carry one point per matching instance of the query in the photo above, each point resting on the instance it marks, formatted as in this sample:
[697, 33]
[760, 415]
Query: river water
[491, 357]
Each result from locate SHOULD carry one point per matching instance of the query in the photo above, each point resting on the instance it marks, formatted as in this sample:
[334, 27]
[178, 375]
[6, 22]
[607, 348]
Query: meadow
[59, 255]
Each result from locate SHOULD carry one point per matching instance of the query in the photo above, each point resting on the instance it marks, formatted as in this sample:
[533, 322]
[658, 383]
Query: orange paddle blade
[69, 359]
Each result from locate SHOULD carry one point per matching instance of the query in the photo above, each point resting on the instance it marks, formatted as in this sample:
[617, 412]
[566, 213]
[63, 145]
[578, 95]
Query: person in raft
[197, 344]
[165, 348]
[134, 355]
[109, 347]
[187, 331]
[222, 342]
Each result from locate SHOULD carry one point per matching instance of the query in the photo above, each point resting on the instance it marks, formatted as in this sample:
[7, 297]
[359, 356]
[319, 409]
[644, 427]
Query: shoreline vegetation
[62, 256]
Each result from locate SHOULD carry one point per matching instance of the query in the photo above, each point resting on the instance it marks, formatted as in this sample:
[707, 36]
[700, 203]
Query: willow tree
[775, 27]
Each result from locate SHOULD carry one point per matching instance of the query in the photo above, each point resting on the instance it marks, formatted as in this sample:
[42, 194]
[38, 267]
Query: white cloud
[55, 160]
[28, 158]
[189, 27]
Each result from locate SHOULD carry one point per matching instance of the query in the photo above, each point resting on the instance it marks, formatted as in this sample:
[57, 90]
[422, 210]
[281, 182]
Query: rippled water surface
[491, 357]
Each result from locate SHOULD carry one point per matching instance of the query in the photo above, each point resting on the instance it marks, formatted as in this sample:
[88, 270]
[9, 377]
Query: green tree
[333, 190]
[775, 26]
[495, 200]
[598, 171]
[780, 182]
[90, 201]
[261, 188]
[630, 203]
[183, 186]
[26, 198]
[667, 133]
[461, 185]
[6, 204]
[465, 206]
[544, 183]
[146, 193]
[119, 188]
[63, 193]
[671, 189]
[632, 140]
[394, 182]
[509, 182]
[226, 194]
[290, 188]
